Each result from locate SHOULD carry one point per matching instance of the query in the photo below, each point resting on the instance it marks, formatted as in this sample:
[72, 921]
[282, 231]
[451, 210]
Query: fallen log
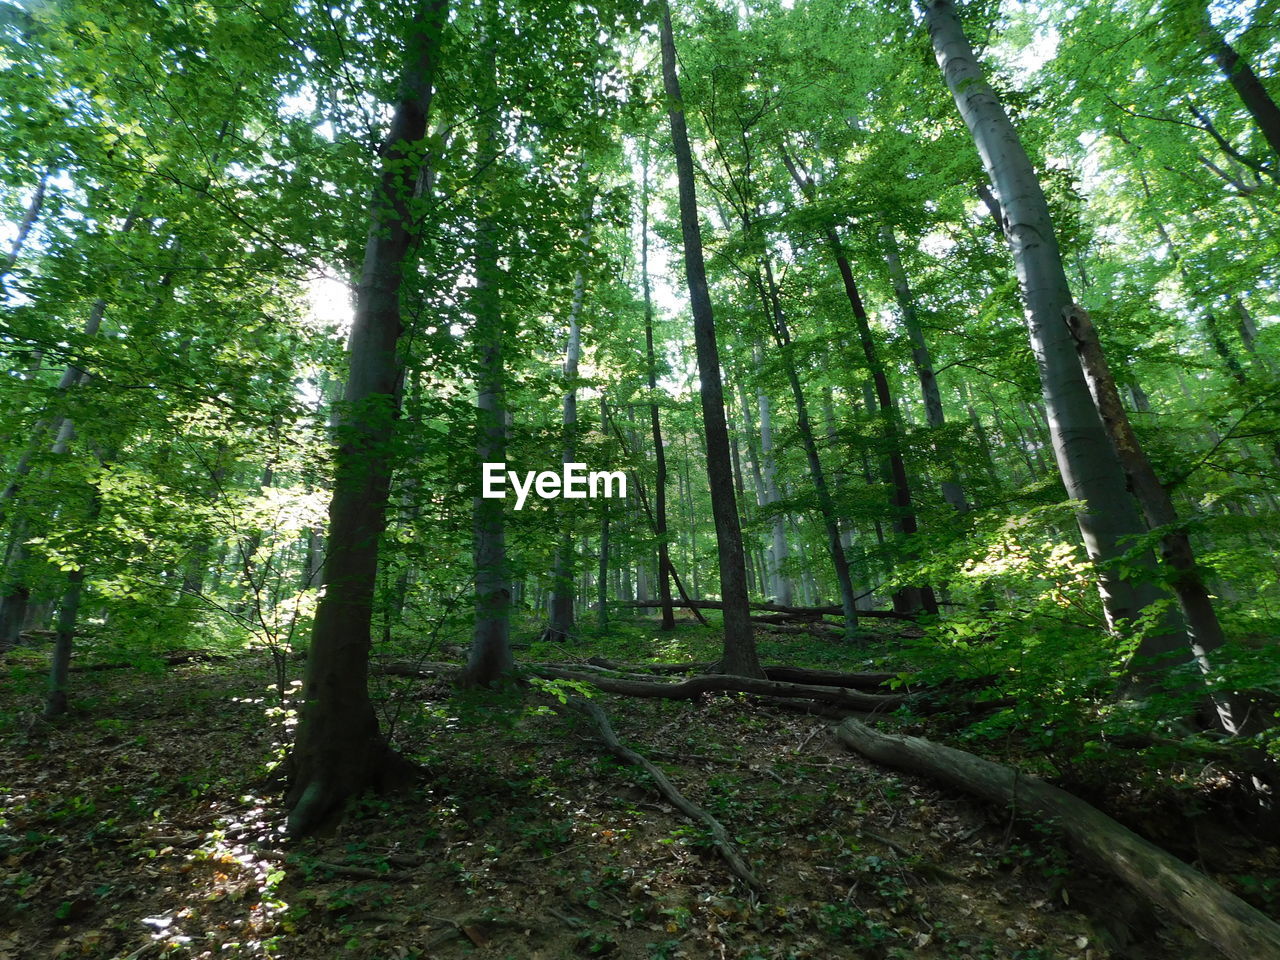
[803, 613]
[659, 668]
[1237, 929]
[694, 687]
[776, 671]
[174, 659]
[720, 836]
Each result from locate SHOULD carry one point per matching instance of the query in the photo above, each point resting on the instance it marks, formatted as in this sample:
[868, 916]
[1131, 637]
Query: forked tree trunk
[1088, 465]
[339, 751]
[739, 655]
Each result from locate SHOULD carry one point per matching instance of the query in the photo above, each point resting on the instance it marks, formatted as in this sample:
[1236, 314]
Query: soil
[146, 824]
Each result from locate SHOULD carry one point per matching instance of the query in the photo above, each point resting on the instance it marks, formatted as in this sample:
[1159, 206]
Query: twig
[720, 836]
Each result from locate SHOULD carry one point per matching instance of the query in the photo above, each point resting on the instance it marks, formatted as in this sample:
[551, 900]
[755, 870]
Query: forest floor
[144, 825]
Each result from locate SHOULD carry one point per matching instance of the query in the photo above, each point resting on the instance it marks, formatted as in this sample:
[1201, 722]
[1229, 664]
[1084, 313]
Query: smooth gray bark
[1088, 465]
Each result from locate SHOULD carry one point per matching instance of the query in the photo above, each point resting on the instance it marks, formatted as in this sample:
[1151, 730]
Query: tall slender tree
[739, 654]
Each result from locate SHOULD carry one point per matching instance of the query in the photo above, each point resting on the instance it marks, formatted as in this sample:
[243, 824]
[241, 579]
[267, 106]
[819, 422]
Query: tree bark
[1085, 459]
[739, 655]
[910, 598]
[1255, 97]
[1203, 628]
[779, 582]
[827, 510]
[24, 228]
[339, 751]
[490, 657]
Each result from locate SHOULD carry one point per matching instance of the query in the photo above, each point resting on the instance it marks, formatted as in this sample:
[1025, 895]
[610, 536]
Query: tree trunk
[602, 580]
[826, 508]
[909, 598]
[490, 657]
[1262, 108]
[24, 228]
[655, 418]
[561, 624]
[339, 751]
[739, 656]
[68, 613]
[779, 582]
[1203, 628]
[921, 359]
[1085, 459]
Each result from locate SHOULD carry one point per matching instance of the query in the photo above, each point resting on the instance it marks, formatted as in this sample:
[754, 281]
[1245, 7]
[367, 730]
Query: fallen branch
[174, 659]
[720, 836]
[1226, 921]
[351, 870]
[426, 670]
[806, 613]
[694, 687]
[777, 671]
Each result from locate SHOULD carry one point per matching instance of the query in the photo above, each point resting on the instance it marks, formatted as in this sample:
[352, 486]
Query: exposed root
[720, 836]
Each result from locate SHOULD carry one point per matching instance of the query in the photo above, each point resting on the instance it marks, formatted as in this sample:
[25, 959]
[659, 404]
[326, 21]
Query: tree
[339, 750]
[1084, 454]
[739, 656]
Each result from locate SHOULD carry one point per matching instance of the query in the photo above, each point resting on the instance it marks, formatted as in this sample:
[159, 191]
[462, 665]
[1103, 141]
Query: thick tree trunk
[921, 359]
[1203, 628]
[739, 655]
[1085, 459]
[339, 751]
[1237, 929]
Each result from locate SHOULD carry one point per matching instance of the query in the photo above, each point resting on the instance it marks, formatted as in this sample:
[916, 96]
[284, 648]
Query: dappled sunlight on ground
[146, 825]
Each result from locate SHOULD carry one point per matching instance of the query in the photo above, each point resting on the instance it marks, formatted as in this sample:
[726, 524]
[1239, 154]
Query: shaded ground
[143, 826]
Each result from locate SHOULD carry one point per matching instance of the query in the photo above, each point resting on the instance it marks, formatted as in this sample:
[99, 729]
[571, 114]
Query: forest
[590, 478]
